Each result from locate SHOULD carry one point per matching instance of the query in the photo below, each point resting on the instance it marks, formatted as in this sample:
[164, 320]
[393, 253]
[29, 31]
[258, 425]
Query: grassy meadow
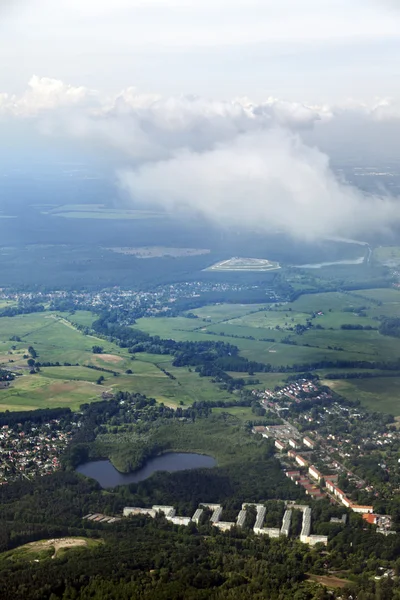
[56, 339]
[249, 326]
[380, 394]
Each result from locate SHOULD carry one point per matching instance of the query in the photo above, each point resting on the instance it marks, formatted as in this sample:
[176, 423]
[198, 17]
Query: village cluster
[31, 450]
[136, 304]
[299, 452]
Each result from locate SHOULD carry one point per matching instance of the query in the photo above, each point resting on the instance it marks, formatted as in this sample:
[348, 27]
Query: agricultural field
[389, 296]
[29, 392]
[80, 317]
[55, 339]
[243, 413]
[249, 327]
[267, 333]
[7, 303]
[223, 312]
[380, 394]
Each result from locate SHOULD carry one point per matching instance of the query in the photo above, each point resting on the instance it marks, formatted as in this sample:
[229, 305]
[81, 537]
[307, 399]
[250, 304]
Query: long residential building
[362, 509]
[315, 474]
[309, 443]
[287, 518]
[280, 445]
[301, 461]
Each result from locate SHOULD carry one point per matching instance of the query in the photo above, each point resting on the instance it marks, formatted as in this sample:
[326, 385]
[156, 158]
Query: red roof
[370, 518]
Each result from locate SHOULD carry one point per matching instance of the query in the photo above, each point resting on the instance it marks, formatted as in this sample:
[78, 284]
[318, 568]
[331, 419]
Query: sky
[235, 108]
[303, 50]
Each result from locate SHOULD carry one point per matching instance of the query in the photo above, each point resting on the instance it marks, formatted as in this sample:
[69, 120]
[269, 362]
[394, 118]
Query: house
[279, 445]
[301, 461]
[362, 509]
[314, 473]
[370, 518]
[309, 443]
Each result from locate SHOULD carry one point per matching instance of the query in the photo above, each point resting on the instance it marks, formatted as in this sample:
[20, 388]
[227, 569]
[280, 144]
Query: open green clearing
[57, 340]
[248, 327]
[80, 317]
[45, 549]
[378, 394]
[243, 413]
[223, 312]
[261, 333]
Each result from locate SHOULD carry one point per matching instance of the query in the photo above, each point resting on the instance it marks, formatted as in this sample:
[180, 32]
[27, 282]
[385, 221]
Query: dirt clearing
[330, 581]
[57, 544]
[110, 358]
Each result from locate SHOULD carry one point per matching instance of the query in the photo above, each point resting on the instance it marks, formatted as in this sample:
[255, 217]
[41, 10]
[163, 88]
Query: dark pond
[108, 476]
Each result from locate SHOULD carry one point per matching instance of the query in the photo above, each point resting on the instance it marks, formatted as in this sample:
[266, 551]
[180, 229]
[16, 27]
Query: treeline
[209, 358]
[357, 327]
[390, 326]
[360, 375]
[42, 415]
[346, 364]
[24, 308]
[130, 411]
[213, 359]
[6, 375]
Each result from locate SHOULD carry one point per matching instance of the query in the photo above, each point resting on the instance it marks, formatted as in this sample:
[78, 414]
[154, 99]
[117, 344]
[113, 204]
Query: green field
[35, 391]
[243, 413]
[48, 549]
[56, 340]
[378, 394]
[80, 317]
[223, 312]
[247, 326]
[259, 332]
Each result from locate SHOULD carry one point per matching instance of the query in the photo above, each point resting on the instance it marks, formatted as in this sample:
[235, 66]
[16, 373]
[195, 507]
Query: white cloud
[238, 162]
[266, 180]
[45, 95]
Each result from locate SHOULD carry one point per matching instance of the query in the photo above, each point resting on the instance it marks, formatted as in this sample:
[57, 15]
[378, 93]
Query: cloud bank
[238, 163]
[263, 181]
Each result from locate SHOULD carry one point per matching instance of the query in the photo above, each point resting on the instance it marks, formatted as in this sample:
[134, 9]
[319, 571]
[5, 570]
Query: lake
[107, 475]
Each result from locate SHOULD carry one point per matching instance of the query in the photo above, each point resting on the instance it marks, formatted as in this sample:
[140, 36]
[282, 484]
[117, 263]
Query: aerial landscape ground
[129, 347]
[199, 300]
[245, 365]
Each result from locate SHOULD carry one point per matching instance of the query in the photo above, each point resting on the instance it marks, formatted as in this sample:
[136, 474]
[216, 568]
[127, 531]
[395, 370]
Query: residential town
[132, 304]
[30, 450]
[317, 446]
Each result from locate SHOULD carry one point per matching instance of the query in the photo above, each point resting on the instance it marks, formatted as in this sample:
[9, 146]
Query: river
[107, 475]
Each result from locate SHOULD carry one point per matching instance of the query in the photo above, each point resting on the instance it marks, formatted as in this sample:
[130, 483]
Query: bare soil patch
[330, 581]
[111, 358]
[62, 386]
[59, 543]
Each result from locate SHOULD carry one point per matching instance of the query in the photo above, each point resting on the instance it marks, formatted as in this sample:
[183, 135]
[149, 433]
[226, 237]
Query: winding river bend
[107, 475]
